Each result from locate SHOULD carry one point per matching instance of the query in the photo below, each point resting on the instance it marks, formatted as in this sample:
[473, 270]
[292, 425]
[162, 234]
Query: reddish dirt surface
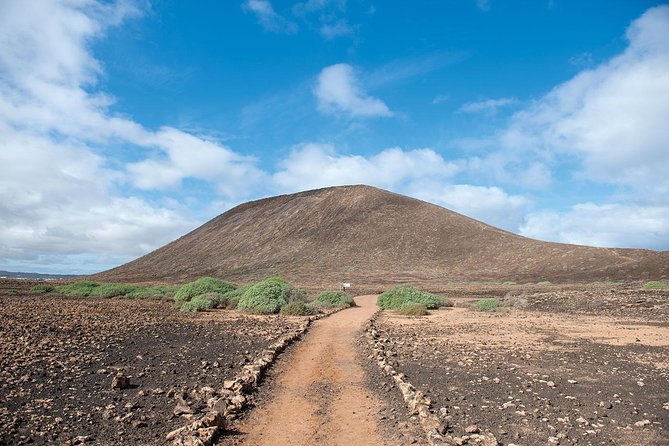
[319, 392]
[588, 366]
[58, 356]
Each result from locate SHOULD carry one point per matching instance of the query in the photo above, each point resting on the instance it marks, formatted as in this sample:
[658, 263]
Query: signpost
[345, 286]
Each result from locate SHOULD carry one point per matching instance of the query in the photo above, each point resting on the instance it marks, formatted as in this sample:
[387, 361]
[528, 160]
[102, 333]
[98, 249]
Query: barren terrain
[587, 366]
[374, 239]
[58, 357]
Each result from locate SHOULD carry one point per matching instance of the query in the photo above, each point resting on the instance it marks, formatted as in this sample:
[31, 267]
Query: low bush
[656, 285]
[489, 304]
[109, 290]
[42, 288]
[151, 292]
[296, 308]
[335, 299]
[198, 303]
[413, 309]
[396, 298]
[266, 297]
[544, 283]
[317, 307]
[201, 286]
[80, 288]
[232, 297]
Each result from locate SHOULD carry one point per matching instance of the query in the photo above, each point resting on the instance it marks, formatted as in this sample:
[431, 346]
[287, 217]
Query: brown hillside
[373, 237]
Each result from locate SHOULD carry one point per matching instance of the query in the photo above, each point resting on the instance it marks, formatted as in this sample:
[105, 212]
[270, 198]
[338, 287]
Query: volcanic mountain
[374, 238]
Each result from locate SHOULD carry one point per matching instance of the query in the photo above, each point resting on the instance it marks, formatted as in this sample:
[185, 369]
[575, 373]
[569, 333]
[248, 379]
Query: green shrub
[151, 292]
[80, 288]
[316, 306]
[198, 303]
[296, 308]
[42, 288]
[545, 282]
[413, 309]
[489, 304]
[232, 297]
[109, 290]
[656, 285]
[397, 297]
[335, 299]
[217, 300]
[201, 286]
[265, 297]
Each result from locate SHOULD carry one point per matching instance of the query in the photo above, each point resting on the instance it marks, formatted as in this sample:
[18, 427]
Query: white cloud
[191, 156]
[488, 204]
[313, 165]
[56, 205]
[487, 106]
[59, 192]
[268, 18]
[336, 29]
[613, 118]
[608, 225]
[337, 91]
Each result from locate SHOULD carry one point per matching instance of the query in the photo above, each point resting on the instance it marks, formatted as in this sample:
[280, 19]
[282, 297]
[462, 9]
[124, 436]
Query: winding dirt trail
[320, 396]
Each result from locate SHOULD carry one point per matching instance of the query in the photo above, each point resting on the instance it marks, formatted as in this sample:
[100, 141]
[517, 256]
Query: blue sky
[124, 125]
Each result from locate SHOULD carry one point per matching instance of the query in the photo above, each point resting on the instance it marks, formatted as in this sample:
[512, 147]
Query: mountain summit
[373, 237]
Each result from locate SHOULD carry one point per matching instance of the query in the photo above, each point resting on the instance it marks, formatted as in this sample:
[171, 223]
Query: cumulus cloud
[268, 18]
[60, 194]
[187, 156]
[338, 91]
[314, 165]
[488, 204]
[487, 106]
[608, 225]
[612, 117]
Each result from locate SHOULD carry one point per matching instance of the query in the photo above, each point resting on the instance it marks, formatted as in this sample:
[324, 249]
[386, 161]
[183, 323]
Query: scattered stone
[120, 381]
[472, 429]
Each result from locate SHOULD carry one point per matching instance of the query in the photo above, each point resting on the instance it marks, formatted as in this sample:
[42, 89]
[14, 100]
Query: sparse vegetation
[398, 297]
[316, 306]
[413, 309]
[109, 290]
[545, 282]
[656, 285]
[489, 304]
[232, 297]
[152, 292]
[42, 288]
[296, 308]
[201, 286]
[266, 297]
[81, 288]
[335, 299]
[198, 303]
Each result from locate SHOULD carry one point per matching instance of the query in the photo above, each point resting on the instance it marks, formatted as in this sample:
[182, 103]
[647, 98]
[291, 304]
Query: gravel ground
[58, 357]
[555, 369]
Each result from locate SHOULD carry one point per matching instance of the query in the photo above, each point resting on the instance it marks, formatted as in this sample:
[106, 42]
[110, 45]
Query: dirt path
[320, 397]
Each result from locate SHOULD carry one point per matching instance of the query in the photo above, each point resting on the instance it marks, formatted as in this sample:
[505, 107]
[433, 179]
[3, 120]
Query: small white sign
[346, 285]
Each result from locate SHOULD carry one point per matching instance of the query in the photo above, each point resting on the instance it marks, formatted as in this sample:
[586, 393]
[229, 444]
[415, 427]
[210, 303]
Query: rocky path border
[229, 402]
[417, 402]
